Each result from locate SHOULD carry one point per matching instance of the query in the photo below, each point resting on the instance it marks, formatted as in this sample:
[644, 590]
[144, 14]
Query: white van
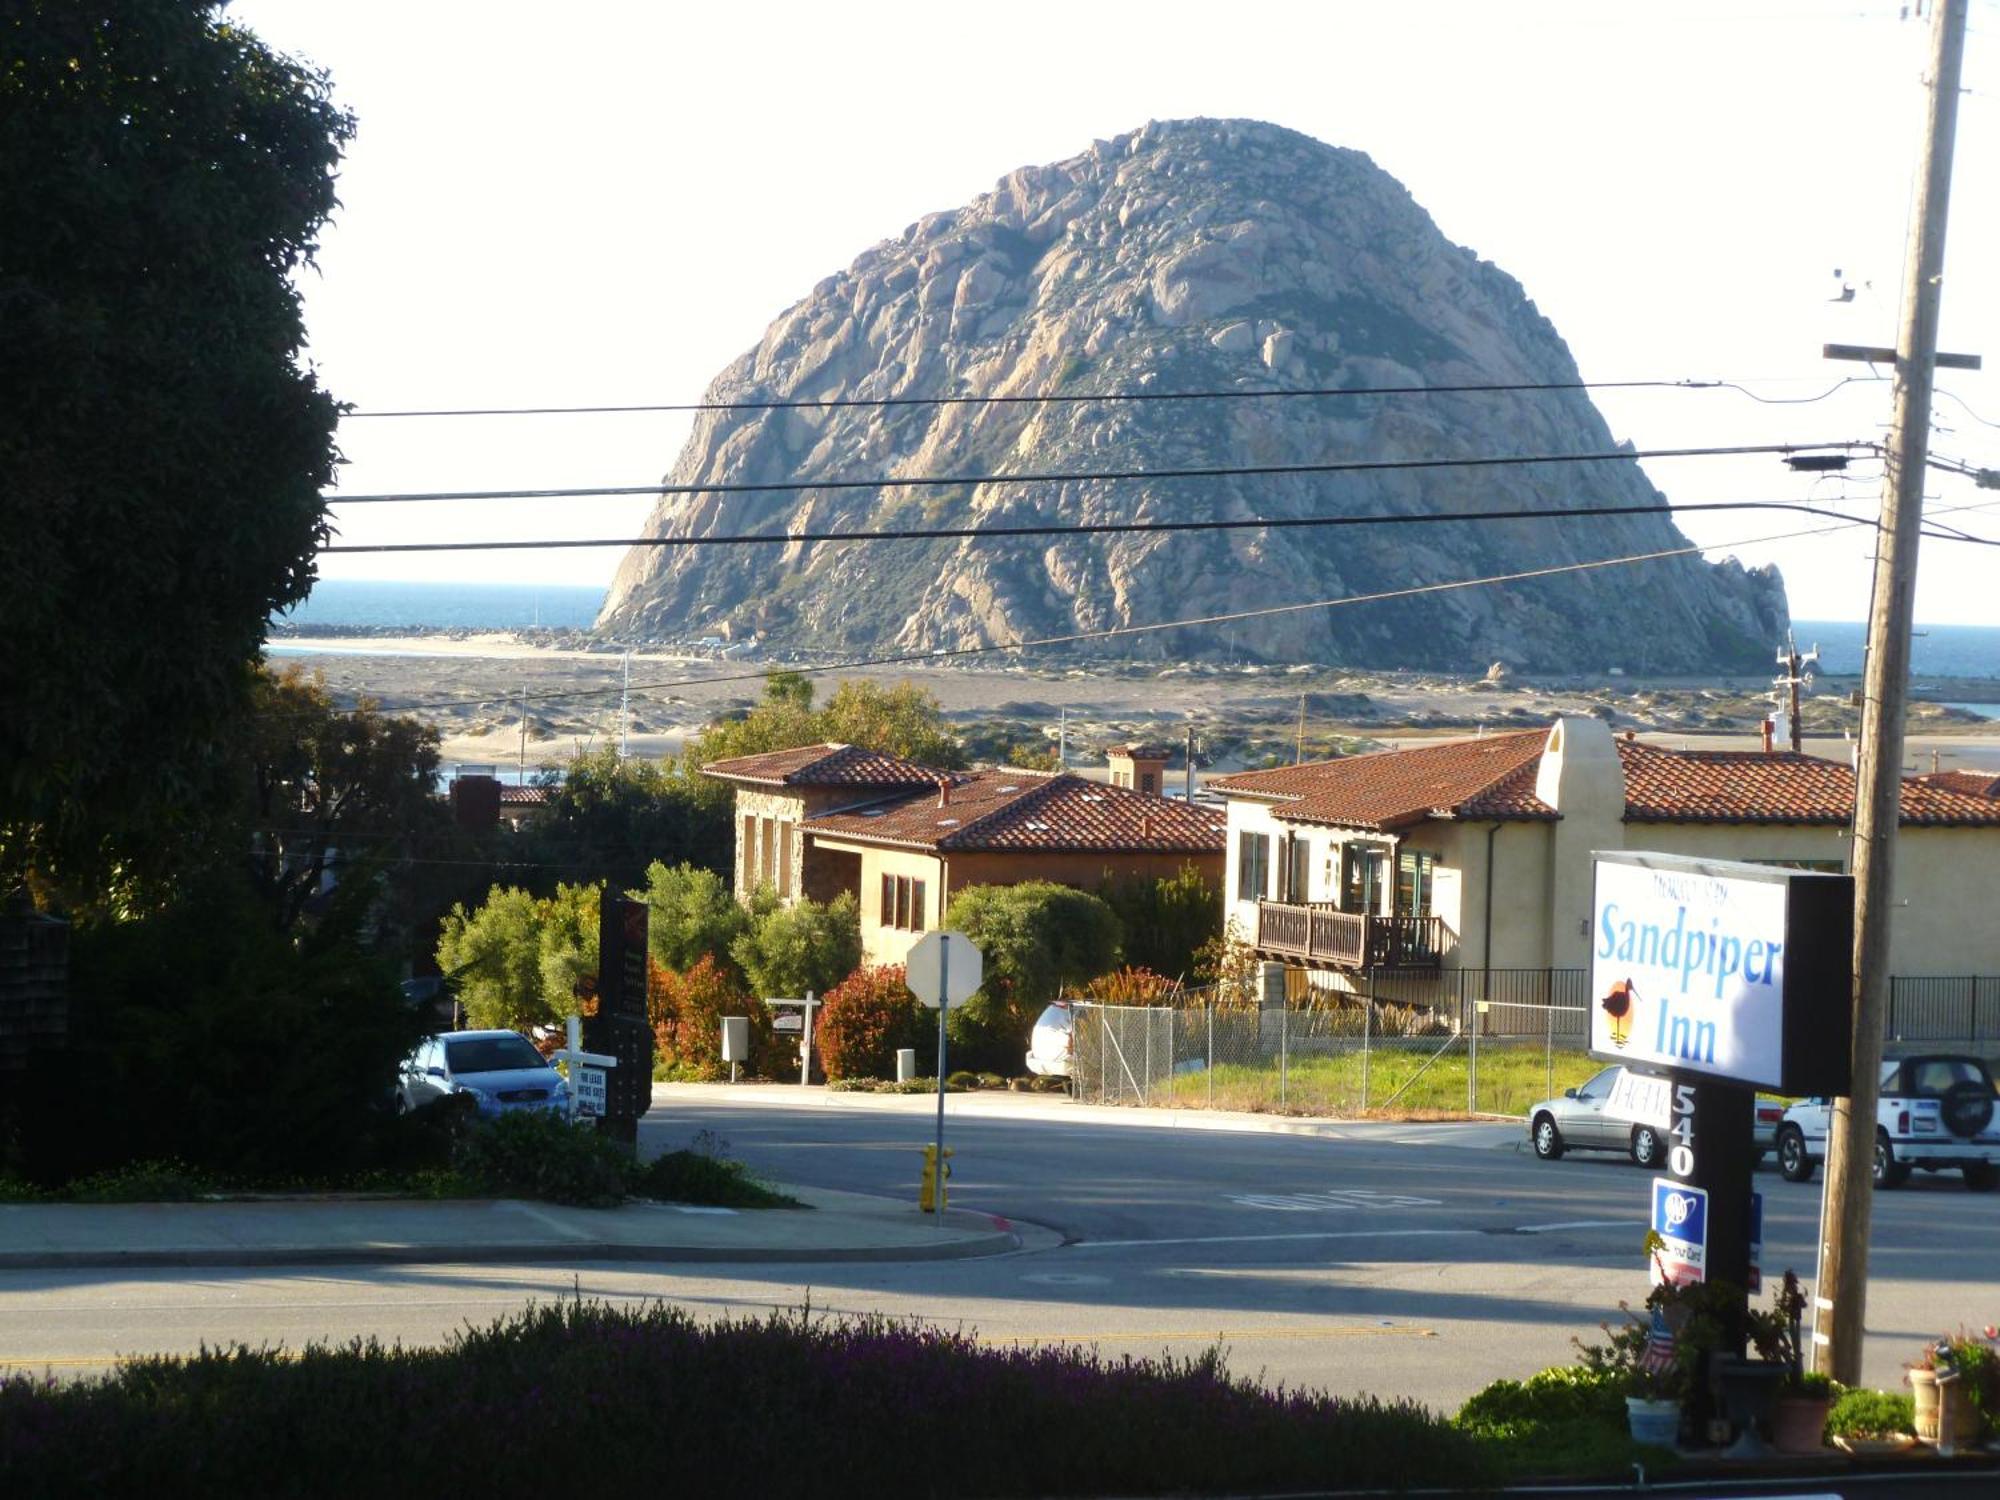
[1050, 1047]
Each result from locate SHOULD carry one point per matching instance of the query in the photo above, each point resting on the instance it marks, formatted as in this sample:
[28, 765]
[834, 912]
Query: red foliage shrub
[1133, 986]
[864, 1019]
[687, 1010]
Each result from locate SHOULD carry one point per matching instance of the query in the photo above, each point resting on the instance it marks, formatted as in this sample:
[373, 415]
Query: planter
[1655, 1422]
[1798, 1423]
[1961, 1417]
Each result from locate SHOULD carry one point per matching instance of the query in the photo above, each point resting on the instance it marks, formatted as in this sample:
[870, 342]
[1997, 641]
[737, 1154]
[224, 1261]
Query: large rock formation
[1187, 256]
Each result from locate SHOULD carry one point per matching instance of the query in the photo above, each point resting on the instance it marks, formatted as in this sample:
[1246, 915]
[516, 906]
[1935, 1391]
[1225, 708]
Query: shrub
[962, 1080]
[805, 946]
[702, 1178]
[687, 1017]
[1866, 1414]
[1567, 1420]
[1133, 986]
[691, 915]
[142, 1182]
[1034, 938]
[867, 1017]
[1166, 922]
[644, 1391]
[536, 1154]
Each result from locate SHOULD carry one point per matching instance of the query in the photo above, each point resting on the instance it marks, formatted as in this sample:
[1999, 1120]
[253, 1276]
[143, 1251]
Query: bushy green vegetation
[1165, 923]
[788, 950]
[690, 915]
[516, 960]
[1567, 1420]
[707, 1178]
[661, 1402]
[1034, 938]
[900, 720]
[1871, 1414]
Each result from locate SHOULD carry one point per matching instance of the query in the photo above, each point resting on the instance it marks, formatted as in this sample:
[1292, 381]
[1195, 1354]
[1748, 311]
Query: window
[1414, 873]
[767, 850]
[1298, 867]
[1361, 878]
[1253, 866]
[903, 903]
[784, 857]
[1148, 781]
[749, 842]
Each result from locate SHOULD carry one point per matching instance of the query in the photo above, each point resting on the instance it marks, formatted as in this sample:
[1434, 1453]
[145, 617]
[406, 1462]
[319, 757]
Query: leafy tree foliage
[165, 445]
[687, 1008]
[519, 959]
[806, 946]
[1166, 922]
[1034, 938]
[610, 819]
[901, 720]
[691, 915]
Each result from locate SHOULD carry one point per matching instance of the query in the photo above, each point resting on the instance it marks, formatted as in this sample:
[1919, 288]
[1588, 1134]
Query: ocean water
[1936, 650]
[447, 606]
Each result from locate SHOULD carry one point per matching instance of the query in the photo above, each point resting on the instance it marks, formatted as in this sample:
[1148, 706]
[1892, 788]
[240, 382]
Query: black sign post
[620, 1028]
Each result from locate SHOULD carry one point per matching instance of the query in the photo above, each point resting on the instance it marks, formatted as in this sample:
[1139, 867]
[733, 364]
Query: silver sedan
[1577, 1122]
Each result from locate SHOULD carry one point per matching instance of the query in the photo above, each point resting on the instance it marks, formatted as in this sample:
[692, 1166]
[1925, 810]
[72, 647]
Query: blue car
[499, 1071]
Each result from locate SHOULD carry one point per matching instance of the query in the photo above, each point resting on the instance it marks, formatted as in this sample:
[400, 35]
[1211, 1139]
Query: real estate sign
[1732, 970]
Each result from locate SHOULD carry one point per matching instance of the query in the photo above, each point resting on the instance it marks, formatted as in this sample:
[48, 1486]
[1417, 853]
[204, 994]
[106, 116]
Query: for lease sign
[1688, 970]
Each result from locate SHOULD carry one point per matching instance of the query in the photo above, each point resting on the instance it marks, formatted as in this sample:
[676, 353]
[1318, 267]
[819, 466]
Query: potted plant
[1647, 1363]
[1865, 1421]
[1953, 1383]
[1799, 1410]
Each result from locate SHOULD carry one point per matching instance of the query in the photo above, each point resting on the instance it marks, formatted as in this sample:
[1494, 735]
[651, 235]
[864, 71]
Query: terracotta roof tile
[1970, 783]
[1748, 786]
[524, 796]
[1009, 810]
[1489, 777]
[824, 765]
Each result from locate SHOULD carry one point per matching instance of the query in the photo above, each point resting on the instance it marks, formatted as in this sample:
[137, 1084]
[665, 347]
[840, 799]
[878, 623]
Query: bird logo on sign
[1617, 1005]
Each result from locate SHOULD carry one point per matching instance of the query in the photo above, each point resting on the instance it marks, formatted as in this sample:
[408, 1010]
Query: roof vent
[1034, 827]
[947, 822]
[1091, 797]
[1010, 787]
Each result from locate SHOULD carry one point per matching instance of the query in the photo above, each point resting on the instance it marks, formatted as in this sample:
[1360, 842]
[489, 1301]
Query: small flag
[1658, 1356]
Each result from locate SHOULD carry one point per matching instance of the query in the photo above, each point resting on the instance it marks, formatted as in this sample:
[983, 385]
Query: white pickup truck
[1936, 1112]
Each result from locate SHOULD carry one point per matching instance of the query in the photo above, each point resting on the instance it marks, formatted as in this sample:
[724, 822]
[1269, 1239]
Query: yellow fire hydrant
[931, 1195]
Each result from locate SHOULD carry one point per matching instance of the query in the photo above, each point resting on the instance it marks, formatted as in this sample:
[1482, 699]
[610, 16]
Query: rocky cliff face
[1194, 255]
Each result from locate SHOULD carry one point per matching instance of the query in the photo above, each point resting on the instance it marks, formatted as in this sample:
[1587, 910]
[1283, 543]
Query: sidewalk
[328, 1231]
[999, 1104]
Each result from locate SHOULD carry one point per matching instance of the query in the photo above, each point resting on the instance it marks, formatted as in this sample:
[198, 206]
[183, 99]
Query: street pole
[944, 1004]
[1843, 1276]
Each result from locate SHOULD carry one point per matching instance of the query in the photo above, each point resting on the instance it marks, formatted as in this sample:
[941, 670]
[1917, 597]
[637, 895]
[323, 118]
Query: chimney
[944, 789]
[1770, 729]
[1145, 825]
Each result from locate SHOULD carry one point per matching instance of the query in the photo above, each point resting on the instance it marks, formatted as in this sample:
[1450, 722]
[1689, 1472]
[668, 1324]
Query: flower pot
[1798, 1423]
[1961, 1417]
[1655, 1422]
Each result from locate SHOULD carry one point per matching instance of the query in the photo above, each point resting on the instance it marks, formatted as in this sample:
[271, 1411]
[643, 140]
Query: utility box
[906, 1064]
[736, 1039]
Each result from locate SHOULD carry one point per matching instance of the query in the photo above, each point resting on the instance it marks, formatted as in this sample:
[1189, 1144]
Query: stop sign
[943, 967]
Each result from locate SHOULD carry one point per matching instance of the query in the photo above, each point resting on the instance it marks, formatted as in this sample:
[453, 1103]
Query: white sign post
[586, 1073]
[943, 969]
[801, 1021]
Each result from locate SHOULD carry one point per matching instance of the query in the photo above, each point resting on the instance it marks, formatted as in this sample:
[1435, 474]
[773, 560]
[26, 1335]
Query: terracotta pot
[1961, 1417]
[1798, 1423]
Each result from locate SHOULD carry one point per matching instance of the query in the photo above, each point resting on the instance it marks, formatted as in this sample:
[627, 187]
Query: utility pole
[521, 774]
[1788, 684]
[1188, 786]
[625, 712]
[1843, 1275]
[1299, 744]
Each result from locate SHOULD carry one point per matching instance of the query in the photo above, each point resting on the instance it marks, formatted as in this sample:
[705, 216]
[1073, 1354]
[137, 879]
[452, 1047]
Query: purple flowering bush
[650, 1401]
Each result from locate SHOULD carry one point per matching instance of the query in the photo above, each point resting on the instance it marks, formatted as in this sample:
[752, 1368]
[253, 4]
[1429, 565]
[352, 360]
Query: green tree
[806, 946]
[902, 720]
[1033, 938]
[690, 915]
[165, 443]
[609, 819]
[517, 960]
[1166, 922]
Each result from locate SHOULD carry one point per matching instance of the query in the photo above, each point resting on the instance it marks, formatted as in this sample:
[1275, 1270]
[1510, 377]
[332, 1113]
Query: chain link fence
[1473, 1041]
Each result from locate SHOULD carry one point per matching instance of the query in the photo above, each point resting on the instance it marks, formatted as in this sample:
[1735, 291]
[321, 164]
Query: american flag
[1658, 1356]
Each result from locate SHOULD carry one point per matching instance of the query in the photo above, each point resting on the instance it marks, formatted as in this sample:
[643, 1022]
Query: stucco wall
[787, 807]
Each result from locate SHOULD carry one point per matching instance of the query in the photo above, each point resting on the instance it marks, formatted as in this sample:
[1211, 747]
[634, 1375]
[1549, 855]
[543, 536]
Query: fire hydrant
[931, 1196]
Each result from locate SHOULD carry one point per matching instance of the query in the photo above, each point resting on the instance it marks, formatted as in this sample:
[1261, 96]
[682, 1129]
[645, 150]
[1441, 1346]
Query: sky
[604, 203]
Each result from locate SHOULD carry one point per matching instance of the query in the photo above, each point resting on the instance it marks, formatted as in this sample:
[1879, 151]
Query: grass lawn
[1403, 1079]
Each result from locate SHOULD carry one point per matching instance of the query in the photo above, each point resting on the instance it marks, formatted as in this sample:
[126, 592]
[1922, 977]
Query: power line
[1261, 393]
[906, 658]
[1080, 476]
[1088, 528]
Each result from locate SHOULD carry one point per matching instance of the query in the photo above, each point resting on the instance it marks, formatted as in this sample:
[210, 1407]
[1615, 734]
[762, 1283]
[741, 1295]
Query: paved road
[1413, 1260]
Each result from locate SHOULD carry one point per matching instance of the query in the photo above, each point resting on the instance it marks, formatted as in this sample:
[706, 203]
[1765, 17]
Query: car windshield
[491, 1054]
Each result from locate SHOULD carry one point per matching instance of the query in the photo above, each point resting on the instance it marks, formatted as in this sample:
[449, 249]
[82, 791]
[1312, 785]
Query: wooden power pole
[1843, 1278]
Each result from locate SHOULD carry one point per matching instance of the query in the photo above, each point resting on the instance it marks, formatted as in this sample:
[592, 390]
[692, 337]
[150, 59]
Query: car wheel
[1548, 1139]
[1888, 1172]
[1794, 1165]
[1646, 1146]
[1980, 1176]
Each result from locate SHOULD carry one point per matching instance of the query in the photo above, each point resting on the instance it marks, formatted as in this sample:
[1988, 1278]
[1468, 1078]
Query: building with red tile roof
[820, 819]
[1476, 853]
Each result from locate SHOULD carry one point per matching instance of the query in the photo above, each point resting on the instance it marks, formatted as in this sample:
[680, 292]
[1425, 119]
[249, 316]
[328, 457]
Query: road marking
[1315, 1203]
[549, 1221]
[1260, 1239]
[1577, 1224]
[1207, 1335]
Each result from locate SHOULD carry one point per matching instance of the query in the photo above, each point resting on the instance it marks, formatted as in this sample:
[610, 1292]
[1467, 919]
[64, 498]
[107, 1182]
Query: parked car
[1936, 1112]
[1050, 1047]
[499, 1071]
[1577, 1122]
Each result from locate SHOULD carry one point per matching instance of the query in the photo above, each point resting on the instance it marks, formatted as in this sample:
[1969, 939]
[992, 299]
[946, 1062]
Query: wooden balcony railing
[1319, 934]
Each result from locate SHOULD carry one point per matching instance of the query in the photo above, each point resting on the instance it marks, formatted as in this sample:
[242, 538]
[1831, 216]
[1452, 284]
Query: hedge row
[616, 1400]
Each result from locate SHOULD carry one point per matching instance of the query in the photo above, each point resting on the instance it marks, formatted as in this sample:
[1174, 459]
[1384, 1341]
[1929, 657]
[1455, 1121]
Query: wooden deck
[1320, 935]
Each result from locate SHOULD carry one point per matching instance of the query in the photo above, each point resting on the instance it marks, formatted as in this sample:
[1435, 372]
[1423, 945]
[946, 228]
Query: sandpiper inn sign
[1716, 967]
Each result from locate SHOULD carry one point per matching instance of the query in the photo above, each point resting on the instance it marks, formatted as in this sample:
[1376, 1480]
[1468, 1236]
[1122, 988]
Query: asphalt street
[1414, 1260]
